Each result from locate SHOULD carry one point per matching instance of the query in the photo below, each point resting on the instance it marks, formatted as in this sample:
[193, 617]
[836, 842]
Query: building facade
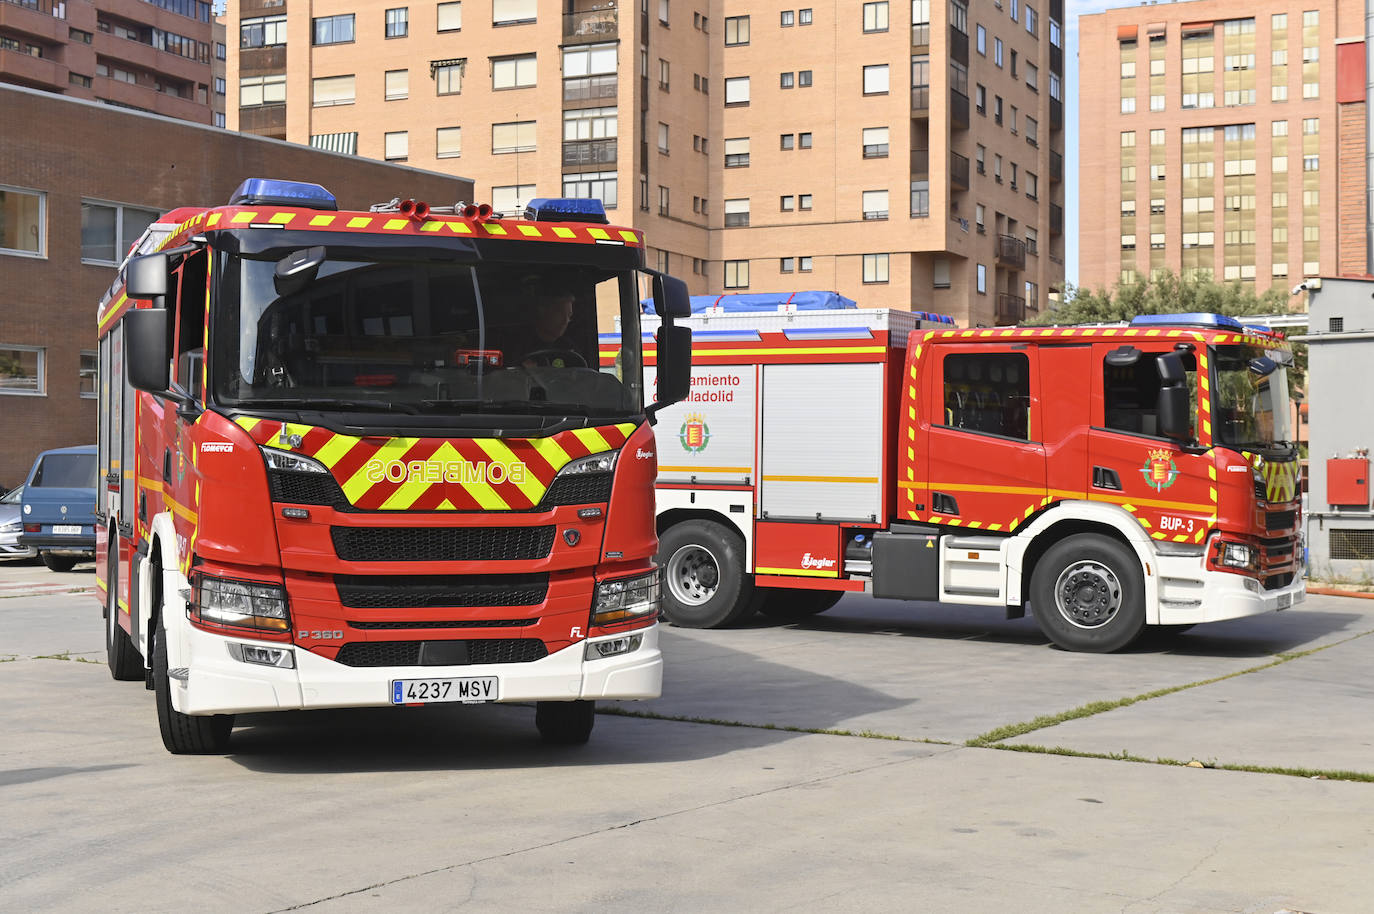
[68, 213]
[1221, 139]
[148, 55]
[759, 148]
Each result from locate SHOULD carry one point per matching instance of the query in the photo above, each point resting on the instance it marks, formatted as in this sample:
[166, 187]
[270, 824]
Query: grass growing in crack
[824, 731]
[1309, 773]
[65, 655]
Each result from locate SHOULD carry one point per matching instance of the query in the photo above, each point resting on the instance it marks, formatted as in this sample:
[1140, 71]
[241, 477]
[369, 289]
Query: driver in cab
[544, 340]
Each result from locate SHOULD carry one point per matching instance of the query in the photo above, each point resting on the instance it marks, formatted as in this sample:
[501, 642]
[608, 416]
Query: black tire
[184, 734]
[58, 562]
[565, 723]
[705, 584]
[1088, 594]
[125, 663]
[785, 603]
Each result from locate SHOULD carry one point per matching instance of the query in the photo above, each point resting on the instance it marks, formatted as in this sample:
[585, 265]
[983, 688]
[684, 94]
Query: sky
[1072, 10]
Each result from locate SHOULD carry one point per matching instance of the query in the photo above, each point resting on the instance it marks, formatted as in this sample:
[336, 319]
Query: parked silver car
[11, 526]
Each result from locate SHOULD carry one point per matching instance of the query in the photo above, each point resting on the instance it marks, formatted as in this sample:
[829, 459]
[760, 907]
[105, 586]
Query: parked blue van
[58, 510]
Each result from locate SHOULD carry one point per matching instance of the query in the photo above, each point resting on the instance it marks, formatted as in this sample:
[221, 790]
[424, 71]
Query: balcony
[920, 35]
[1011, 252]
[958, 45]
[589, 88]
[1056, 114]
[257, 61]
[1056, 219]
[263, 120]
[1011, 309]
[1056, 61]
[35, 19]
[920, 100]
[958, 171]
[589, 152]
[920, 163]
[595, 23]
[1056, 167]
[36, 72]
[958, 110]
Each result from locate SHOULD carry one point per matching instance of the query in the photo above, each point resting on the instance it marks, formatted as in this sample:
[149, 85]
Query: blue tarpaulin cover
[764, 301]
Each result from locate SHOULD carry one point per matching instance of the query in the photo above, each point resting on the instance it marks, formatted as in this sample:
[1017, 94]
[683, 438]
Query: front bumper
[216, 683]
[1190, 594]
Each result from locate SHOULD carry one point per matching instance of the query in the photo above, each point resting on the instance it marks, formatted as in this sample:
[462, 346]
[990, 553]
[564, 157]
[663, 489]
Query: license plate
[1285, 600]
[474, 690]
[67, 529]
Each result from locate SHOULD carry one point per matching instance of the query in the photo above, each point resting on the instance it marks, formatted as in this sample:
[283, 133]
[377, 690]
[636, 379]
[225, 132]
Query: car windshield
[1252, 406]
[423, 338]
[13, 496]
[65, 471]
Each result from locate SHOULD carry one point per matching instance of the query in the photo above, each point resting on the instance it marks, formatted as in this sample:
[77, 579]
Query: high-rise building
[760, 149]
[1224, 140]
[149, 56]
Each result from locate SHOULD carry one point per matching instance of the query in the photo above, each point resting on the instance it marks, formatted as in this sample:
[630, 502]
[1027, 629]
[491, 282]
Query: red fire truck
[366, 458]
[1108, 477]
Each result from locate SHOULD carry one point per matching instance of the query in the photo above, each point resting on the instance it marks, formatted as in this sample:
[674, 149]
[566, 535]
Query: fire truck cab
[356, 459]
[1108, 478]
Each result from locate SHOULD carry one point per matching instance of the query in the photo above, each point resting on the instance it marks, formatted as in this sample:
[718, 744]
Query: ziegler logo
[643, 454]
[433, 471]
[815, 561]
[216, 447]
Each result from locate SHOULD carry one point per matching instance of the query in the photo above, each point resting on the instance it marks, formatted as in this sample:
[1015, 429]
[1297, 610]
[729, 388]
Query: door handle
[941, 503]
[1104, 478]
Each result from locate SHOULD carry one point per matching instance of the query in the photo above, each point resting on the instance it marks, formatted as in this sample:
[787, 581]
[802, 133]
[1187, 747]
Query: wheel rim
[1088, 594]
[693, 575]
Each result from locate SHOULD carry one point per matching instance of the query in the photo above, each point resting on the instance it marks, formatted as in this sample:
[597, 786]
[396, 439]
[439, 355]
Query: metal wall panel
[709, 437]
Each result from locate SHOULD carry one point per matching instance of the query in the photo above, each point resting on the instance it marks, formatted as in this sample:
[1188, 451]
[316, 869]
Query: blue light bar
[1260, 329]
[566, 209]
[256, 191]
[1191, 319]
[932, 316]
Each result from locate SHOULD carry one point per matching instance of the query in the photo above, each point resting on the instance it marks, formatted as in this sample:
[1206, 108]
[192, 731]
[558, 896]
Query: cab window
[1130, 394]
[988, 393]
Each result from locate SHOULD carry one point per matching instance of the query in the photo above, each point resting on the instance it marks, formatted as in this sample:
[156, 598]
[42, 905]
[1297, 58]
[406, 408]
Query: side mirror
[670, 297]
[1170, 367]
[674, 366]
[1174, 421]
[1263, 366]
[146, 277]
[297, 270]
[1123, 357]
[145, 349]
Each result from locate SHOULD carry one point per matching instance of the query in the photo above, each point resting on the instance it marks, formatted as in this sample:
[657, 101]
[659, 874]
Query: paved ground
[462, 808]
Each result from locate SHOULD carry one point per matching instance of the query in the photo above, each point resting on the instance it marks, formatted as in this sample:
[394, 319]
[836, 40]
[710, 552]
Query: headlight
[626, 598]
[243, 604]
[12, 527]
[611, 647]
[593, 463]
[295, 463]
[1237, 555]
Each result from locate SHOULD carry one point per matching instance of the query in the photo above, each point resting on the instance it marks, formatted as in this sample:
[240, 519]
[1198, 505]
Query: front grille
[449, 623]
[387, 592]
[1279, 520]
[408, 653]
[579, 489]
[1260, 491]
[306, 489]
[1276, 581]
[441, 544]
[1278, 550]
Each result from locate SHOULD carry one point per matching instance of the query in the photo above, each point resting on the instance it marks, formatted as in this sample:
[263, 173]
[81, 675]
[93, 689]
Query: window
[736, 90]
[448, 142]
[585, 124]
[589, 60]
[1032, 185]
[397, 145]
[989, 393]
[592, 185]
[1310, 126]
[980, 155]
[512, 136]
[1032, 131]
[1128, 242]
[397, 84]
[398, 22]
[979, 215]
[958, 15]
[803, 202]
[789, 18]
[1032, 241]
[875, 268]
[874, 204]
[875, 17]
[982, 279]
[513, 72]
[980, 96]
[737, 152]
[737, 212]
[447, 76]
[787, 203]
[663, 73]
[221, 52]
[1156, 137]
[736, 30]
[663, 12]
[804, 140]
[982, 41]
[219, 118]
[804, 17]
[1310, 163]
[997, 109]
[787, 264]
[736, 274]
[875, 142]
[875, 79]
[663, 139]
[261, 32]
[786, 80]
[787, 141]
[1012, 121]
[663, 201]
[450, 17]
[220, 86]
[804, 264]
[1013, 64]
[997, 168]
[328, 90]
[23, 370]
[86, 374]
[256, 91]
[108, 230]
[920, 199]
[1032, 21]
[512, 12]
[511, 198]
[333, 29]
[997, 51]
[804, 78]
[1033, 77]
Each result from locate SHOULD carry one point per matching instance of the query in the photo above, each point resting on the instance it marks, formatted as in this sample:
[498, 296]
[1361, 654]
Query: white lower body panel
[1189, 594]
[217, 683]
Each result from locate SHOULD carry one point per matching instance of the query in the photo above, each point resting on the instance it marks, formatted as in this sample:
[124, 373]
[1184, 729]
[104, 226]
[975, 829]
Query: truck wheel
[1088, 594]
[125, 663]
[183, 734]
[703, 573]
[58, 562]
[784, 603]
[565, 723]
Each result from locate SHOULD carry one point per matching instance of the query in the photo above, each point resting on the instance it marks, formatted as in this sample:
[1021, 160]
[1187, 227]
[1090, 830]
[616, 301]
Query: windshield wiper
[543, 407]
[322, 405]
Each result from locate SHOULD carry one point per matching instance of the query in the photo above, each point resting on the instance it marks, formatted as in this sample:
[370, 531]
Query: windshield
[65, 471]
[424, 338]
[1251, 409]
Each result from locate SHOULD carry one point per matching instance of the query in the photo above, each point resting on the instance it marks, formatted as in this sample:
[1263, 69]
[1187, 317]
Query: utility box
[1347, 481]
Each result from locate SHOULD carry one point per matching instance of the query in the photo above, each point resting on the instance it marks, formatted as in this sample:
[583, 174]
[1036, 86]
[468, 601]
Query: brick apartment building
[71, 203]
[1222, 138]
[759, 148]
